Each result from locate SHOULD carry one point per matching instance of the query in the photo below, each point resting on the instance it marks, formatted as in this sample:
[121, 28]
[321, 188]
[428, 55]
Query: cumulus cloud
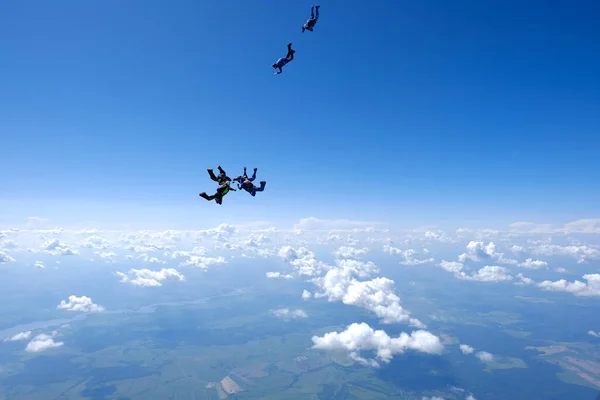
[351, 253]
[286, 313]
[149, 278]
[39, 264]
[593, 333]
[581, 253]
[19, 336]
[42, 342]
[108, 256]
[96, 242]
[5, 258]
[466, 349]
[57, 248]
[80, 304]
[306, 294]
[533, 264]
[409, 256]
[302, 260]
[360, 337]
[578, 288]
[276, 275]
[489, 273]
[202, 262]
[524, 280]
[484, 356]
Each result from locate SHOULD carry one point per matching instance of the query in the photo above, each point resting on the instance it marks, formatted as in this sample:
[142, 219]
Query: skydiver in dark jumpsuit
[222, 190]
[222, 177]
[312, 21]
[284, 60]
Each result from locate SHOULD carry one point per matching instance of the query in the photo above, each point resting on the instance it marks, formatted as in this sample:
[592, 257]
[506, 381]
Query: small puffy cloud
[80, 304]
[286, 313]
[484, 356]
[523, 280]
[202, 262]
[57, 248]
[470, 397]
[533, 264]
[560, 270]
[452, 266]
[302, 260]
[491, 274]
[96, 242]
[278, 275]
[107, 256]
[477, 251]
[466, 349]
[593, 333]
[42, 342]
[19, 336]
[306, 294]
[149, 278]
[409, 256]
[360, 337]
[578, 288]
[5, 258]
[39, 264]
[351, 253]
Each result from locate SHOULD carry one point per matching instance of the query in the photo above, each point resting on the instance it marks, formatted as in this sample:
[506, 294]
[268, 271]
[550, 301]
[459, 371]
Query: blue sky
[420, 112]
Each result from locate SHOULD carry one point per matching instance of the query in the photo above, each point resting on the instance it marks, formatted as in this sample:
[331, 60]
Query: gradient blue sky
[469, 113]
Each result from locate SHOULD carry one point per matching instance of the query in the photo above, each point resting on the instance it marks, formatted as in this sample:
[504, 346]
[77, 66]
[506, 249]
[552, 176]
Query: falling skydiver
[222, 190]
[244, 177]
[249, 187]
[284, 60]
[312, 21]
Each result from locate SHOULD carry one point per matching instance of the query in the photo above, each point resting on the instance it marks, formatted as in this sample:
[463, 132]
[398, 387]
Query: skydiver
[222, 190]
[284, 60]
[312, 21]
[222, 177]
[251, 188]
[244, 177]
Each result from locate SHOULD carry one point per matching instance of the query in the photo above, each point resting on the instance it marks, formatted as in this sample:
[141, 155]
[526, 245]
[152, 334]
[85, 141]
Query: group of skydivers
[244, 182]
[309, 25]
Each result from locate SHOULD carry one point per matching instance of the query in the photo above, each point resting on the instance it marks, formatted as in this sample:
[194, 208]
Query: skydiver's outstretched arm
[239, 186]
[212, 174]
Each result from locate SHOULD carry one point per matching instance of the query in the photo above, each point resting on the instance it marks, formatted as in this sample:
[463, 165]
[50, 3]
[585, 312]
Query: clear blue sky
[419, 111]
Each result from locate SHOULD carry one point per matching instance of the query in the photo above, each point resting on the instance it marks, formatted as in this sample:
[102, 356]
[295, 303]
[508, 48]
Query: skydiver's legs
[290, 53]
[253, 175]
[207, 197]
[212, 175]
[262, 186]
[316, 17]
[312, 12]
[219, 199]
[221, 170]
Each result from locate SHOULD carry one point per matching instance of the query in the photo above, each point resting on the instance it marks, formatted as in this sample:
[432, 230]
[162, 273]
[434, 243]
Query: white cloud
[81, 304]
[432, 398]
[42, 342]
[350, 253]
[5, 258]
[360, 337]
[57, 248]
[202, 262]
[578, 288]
[524, 280]
[531, 264]
[108, 256]
[39, 264]
[466, 349]
[593, 333]
[484, 356]
[275, 275]
[19, 336]
[286, 313]
[409, 256]
[96, 242]
[306, 294]
[302, 260]
[581, 253]
[489, 273]
[470, 397]
[148, 278]
[560, 269]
